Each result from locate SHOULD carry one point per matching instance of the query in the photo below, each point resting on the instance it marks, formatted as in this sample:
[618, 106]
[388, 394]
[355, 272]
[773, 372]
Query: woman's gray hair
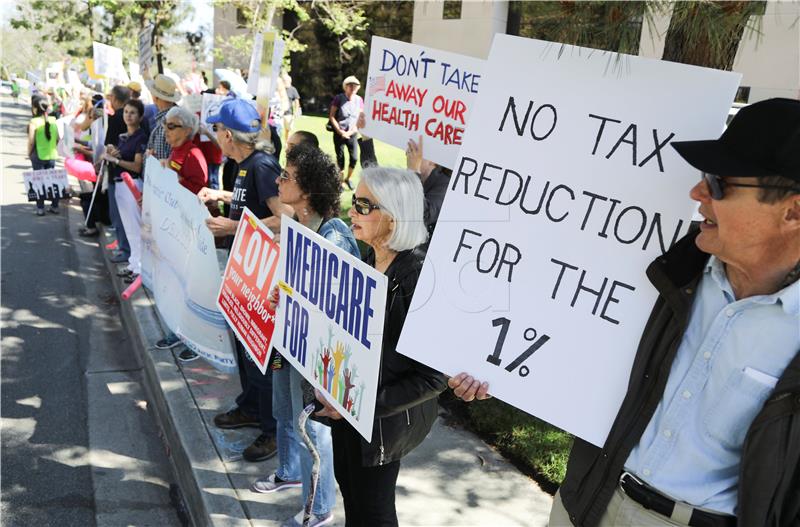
[187, 119]
[257, 140]
[399, 194]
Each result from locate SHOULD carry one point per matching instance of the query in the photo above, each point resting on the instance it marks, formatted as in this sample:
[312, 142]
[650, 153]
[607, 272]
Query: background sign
[179, 264]
[416, 91]
[210, 107]
[45, 184]
[265, 65]
[108, 62]
[565, 190]
[246, 285]
[146, 47]
[329, 322]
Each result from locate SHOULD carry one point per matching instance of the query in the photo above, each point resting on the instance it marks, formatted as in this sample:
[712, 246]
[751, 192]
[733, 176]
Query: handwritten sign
[329, 322]
[414, 90]
[559, 200]
[246, 285]
[179, 264]
[46, 184]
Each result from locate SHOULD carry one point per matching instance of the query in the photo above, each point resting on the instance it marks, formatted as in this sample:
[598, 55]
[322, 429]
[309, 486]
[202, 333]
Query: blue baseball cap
[237, 114]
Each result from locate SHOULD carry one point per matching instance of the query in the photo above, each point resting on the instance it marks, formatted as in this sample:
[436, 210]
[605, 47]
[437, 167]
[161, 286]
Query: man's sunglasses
[172, 126]
[363, 206]
[717, 184]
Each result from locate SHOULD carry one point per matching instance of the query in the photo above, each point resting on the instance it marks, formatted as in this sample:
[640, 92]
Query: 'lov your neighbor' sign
[417, 91]
[564, 191]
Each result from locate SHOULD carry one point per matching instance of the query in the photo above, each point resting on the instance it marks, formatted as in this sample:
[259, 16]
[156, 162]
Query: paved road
[79, 446]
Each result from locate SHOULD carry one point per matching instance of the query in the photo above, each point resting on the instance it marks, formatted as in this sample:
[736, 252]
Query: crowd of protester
[723, 288]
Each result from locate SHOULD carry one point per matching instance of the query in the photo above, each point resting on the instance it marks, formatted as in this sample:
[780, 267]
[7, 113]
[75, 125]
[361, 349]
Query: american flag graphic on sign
[376, 84]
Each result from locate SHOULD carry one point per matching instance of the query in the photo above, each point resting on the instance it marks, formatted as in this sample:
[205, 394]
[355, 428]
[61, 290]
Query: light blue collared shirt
[728, 363]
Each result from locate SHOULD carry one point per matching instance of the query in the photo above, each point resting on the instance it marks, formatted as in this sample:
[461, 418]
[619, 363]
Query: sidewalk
[452, 479]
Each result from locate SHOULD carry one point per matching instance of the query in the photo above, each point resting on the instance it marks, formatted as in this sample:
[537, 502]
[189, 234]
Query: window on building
[452, 10]
[241, 19]
[742, 95]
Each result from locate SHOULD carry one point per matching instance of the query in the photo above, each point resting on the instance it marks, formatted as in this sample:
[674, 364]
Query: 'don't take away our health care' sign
[561, 197]
[329, 321]
[249, 277]
[415, 91]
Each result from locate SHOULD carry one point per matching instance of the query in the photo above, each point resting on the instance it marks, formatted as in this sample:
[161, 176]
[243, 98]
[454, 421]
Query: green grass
[387, 155]
[530, 442]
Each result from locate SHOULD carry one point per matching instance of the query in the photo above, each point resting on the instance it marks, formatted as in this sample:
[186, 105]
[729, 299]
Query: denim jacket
[338, 233]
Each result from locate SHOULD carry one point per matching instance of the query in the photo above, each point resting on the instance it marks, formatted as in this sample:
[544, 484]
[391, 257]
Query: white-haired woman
[180, 127]
[387, 215]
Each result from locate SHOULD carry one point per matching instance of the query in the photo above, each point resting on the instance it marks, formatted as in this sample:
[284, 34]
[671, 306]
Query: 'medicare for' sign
[249, 278]
[330, 321]
[416, 91]
[565, 190]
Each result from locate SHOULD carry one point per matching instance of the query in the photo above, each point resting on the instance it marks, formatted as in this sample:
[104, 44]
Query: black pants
[256, 396]
[368, 492]
[339, 144]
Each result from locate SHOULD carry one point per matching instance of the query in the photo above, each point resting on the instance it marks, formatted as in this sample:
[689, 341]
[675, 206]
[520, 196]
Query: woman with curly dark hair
[310, 184]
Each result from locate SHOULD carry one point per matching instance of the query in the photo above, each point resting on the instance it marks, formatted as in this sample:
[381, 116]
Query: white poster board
[415, 91]
[180, 266]
[330, 327]
[146, 47]
[210, 107]
[108, 62]
[561, 197]
[262, 72]
[54, 75]
[46, 184]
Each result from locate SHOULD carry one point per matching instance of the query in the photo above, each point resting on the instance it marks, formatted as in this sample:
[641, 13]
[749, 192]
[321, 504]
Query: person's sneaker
[113, 245]
[118, 257]
[53, 210]
[168, 342]
[349, 185]
[124, 273]
[186, 355]
[235, 418]
[131, 278]
[273, 483]
[264, 447]
[88, 233]
[315, 521]
[40, 212]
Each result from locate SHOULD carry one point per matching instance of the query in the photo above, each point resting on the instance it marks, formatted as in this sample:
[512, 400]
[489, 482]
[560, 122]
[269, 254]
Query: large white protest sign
[108, 62]
[146, 47]
[179, 264]
[265, 65]
[54, 74]
[565, 190]
[417, 91]
[46, 184]
[329, 322]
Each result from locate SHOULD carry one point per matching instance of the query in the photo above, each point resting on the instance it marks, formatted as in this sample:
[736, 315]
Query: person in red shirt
[180, 127]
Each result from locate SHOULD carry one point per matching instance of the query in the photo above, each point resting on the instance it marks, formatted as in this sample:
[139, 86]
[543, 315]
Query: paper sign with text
[180, 267]
[329, 321]
[417, 91]
[560, 199]
[246, 285]
[146, 47]
[108, 62]
[46, 184]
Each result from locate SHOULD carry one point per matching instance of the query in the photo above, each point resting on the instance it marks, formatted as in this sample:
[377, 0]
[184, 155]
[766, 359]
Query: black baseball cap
[763, 139]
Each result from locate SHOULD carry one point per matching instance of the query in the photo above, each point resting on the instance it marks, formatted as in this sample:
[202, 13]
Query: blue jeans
[287, 401]
[116, 221]
[213, 176]
[38, 164]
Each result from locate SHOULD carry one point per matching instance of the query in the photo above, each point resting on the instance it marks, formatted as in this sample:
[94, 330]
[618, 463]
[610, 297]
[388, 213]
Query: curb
[195, 462]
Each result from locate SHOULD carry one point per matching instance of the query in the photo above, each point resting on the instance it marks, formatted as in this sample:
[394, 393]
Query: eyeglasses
[216, 128]
[363, 206]
[717, 184]
[172, 126]
[286, 177]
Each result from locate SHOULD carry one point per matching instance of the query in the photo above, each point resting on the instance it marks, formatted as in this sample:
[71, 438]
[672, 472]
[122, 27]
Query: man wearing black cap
[238, 131]
[709, 431]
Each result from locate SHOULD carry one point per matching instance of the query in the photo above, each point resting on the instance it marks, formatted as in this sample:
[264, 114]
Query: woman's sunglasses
[717, 184]
[363, 206]
[172, 126]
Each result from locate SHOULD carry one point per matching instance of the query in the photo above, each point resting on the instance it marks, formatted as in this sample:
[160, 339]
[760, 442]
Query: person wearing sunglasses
[185, 158]
[387, 215]
[310, 185]
[708, 431]
[237, 127]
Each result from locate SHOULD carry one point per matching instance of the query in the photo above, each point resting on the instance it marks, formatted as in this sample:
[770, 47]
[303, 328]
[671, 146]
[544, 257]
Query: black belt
[651, 499]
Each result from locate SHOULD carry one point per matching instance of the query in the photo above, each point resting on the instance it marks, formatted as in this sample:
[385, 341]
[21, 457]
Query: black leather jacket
[769, 478]
[406, 404]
